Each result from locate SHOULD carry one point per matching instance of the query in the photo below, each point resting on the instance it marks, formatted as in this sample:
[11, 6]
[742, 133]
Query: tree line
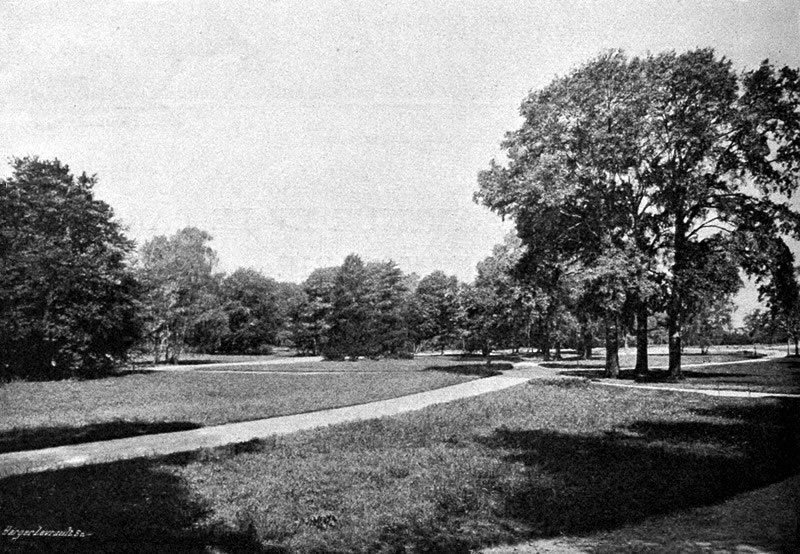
[640, 188]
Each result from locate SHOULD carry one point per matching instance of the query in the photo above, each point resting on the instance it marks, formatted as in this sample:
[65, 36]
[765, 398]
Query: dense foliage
[67, 299]
[655, 178]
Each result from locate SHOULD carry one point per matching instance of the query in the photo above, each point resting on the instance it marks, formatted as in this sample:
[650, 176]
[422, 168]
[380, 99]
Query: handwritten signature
[15, 533]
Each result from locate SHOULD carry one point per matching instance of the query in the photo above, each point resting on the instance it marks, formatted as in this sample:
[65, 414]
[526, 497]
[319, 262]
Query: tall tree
[388, 333]
[438, 296]
[722, 154]
[350, 314]
[176, 272]
[654, 156]
[570, 183]
[67, 299]
[312, 320]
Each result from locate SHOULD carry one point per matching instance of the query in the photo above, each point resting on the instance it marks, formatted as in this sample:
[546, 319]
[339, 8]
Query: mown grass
[767, 517]
[780, 375]
[655, 360]
[543, 460]
[420, 363]
[42, 414]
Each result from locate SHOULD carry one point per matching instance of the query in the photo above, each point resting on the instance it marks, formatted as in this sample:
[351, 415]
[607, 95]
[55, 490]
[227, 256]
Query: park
[592, 382]
[559, 458]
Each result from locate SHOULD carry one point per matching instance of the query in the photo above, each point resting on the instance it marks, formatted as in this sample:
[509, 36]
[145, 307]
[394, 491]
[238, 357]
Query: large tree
[570, 185]
[722, 155]
[656, 158]
[67, 298]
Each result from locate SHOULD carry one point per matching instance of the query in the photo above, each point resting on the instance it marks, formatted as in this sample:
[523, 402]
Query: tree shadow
[653, 376]
[132, 506]
[512, 358]
[45, 437]
[481, 370]
[582, 364]
[579, 484]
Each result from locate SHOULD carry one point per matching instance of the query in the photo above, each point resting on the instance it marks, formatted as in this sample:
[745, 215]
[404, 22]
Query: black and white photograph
[414, 277]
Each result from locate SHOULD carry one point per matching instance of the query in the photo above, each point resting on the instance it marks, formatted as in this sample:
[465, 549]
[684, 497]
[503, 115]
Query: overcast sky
[297, 132]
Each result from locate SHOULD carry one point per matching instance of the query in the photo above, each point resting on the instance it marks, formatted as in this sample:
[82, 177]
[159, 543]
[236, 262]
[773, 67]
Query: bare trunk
[675, 307]
[545, 344]
[642, 366]
[612, 345]
[584, 340]
[674, 331]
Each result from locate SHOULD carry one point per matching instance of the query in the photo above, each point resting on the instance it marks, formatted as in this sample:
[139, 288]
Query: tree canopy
[67, 299]
[644, 166]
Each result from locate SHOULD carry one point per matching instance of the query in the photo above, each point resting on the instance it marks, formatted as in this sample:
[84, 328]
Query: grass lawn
[778, 375]
[453, 364]
[655, 359]
[42, 414]
[544, 460]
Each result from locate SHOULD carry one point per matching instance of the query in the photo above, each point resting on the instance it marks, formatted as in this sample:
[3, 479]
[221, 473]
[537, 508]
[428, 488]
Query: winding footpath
[33, 461]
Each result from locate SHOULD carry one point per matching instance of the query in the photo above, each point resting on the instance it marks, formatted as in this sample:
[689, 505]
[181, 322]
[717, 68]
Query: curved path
[32, 461]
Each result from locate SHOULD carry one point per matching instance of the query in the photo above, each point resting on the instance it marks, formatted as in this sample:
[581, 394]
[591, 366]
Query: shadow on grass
[512, 358]
[481, 370]
[652, 376]
[584, 365]
[46, 437]
[134, 506]
[580, 484]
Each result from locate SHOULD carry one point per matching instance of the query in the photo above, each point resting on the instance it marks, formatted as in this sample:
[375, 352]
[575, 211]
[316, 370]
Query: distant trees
[186, 304]
[709, 323]
[312, 318]
[254, 312]
[68, 303]
[366, 311]
[439, 298]
[177, 275]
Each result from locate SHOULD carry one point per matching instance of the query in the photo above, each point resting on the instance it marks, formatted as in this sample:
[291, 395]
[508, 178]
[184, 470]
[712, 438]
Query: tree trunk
[558, 350]
[642, 367]
[584, 340]
[545, 348]
[796, 350]
[674, 331]
[587, 337]
[612, 346]
[674, 308]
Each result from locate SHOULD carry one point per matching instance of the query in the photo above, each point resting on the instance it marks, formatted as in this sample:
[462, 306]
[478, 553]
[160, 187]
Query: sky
[297, 132]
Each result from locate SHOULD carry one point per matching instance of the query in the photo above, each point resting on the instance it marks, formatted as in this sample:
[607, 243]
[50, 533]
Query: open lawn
[544, 460]
[778, 375]
[42, 414]
[448, 363]
[656, 359]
